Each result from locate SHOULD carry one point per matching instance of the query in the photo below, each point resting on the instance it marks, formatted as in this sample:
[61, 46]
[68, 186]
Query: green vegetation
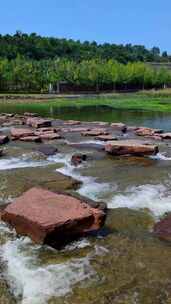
[35, 64]
[21, 75]
[145, 101]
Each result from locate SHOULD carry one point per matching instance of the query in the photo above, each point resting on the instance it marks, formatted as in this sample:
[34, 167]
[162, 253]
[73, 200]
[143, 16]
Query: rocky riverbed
[126, 261]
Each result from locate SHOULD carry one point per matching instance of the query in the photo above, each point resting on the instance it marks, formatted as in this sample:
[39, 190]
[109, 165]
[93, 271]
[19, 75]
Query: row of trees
[21, 75]
[36, 47]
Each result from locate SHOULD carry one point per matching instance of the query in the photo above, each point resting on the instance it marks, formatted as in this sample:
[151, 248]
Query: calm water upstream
[99, 113]
[126, 266]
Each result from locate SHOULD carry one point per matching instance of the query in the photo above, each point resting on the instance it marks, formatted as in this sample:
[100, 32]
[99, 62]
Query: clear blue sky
[145, 22]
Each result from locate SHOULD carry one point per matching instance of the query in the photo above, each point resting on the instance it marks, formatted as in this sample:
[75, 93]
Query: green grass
[147, 101]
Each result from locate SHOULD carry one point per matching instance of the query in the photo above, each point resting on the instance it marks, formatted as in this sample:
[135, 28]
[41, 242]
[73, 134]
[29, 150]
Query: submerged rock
[130, 147]
[14, 182]
[4, 139]
[48, 217]
[163, 228]
[47, 149]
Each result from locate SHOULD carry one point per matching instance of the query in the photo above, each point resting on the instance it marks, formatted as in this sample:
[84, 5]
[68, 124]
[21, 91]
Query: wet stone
[4, 139]
[48, 217]
[130, 147]
[47, 149]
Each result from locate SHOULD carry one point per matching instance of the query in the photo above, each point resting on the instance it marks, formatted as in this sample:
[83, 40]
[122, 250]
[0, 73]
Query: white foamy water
[24, 161]
[156, 198]
[90, 187]
[160, 156]
[36, 284]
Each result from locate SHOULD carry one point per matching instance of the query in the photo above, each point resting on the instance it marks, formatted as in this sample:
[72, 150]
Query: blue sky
[145, 22]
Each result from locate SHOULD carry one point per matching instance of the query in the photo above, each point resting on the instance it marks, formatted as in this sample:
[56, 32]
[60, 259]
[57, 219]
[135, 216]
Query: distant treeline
[26, 75]
[36, 47]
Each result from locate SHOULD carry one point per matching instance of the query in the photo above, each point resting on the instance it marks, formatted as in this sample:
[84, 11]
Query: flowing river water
[125, 263]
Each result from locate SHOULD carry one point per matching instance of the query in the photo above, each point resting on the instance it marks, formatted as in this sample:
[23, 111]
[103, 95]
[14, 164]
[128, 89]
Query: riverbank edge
[139, 102]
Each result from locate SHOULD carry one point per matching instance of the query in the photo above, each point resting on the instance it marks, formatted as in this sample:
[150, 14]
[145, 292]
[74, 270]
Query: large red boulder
[48, 217]
[163, 228]
[130, 147]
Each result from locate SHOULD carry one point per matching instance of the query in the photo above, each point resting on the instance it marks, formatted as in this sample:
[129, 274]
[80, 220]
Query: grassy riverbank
[145, 100]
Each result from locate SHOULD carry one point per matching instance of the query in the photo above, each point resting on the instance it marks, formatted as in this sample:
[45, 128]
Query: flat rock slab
[50, 136]
[48, 217]
[106, 137]
[3, 139]
[119, 126]
[31, 139]
[95, 132]
[36, 122]
[163, 228]
[72, 122]
[18, 133]
[143, 131]
[72, 130]
[130, 147]
[166, 135]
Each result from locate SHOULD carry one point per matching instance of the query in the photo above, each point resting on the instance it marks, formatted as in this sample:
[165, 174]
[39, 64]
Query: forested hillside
[36, 47]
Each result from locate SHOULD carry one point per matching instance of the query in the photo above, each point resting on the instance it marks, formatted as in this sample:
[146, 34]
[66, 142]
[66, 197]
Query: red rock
[31, 139]
[130, 147]
[50, 136]
[11, 123]
[28, 114]
[163, 228]
[95, 132]
[72, 122]
[36, 122]
[72, 130]
[119, 126]
[106, 137]
[17, 133]
[100, 123]
[77, 159]
[142, 131]
[46, 217]
[3, 139]
[50, 129]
